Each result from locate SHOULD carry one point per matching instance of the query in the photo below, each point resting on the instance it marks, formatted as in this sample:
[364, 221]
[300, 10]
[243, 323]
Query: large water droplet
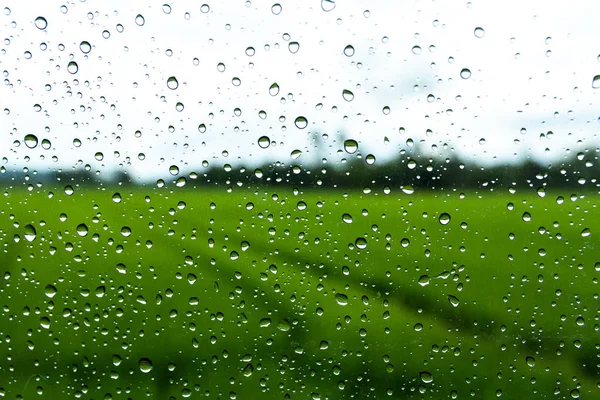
[172, 83]
[341, 299]
[41, 23]
[350, 146]
[349, 51]
[465, 73]
[31, 141]
[426, 377]
[301, 122]
[82, 230]
[72, 67]
[361, 243]
[264, 142]
[30, 233]
[453, 300]
[293, 47]
[479, 32]
[50, 291]
[347, 95]
[444, 218]
[276, 8]
[327, 5]
[596, 82]
[274, 89]
[347, 218]
[140, 20]
[85, 47]
[145, 365]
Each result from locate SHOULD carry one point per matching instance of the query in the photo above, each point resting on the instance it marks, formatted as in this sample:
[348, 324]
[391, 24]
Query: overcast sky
[531, 66]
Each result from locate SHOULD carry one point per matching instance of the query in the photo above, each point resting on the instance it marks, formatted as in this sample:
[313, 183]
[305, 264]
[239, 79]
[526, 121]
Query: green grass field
[298, 294]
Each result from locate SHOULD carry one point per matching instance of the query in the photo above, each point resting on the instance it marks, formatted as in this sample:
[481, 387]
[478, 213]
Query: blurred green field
[302, 294]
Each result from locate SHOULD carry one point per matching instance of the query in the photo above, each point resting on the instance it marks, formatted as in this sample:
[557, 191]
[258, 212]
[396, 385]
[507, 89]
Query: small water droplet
[479, 32]
[140, 20]
[526, 217]
[530, 361]
[349, 51]
[465, 73]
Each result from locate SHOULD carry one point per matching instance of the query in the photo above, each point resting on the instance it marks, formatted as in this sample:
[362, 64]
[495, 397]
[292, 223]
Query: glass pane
[321, 199]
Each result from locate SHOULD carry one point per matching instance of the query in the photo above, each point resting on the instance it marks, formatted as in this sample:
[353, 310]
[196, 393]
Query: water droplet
[347, 95]
[327, 5]
[301, 206]
[264, 142]
[174, 170]
[408, 189]
[416, 50]
[117, 197]
[444, 218]
[85, 47]
[293, 47]
[453, 300]
[426, 377]
[172, 83]
[145, 365]
[301, 122]
[126, 231]
[140, 20]
[250, 51]
[276, 8]
[204, 8]
[530, 361]
[265, 322]
[341, 299]
[347, 218]
[50, 291]
[248, 370]
[72, 67]
[295, 154]
[361, 243]
[526, 217]
[41, 23]
[596, 82]
[350, 146]
[349, 51]
[424, 280]
[166, 9]
[586, 232]
[405, 242]
[31, 141]
[465, 73]
[479, 32]
[274, 89]
[82, 230]
[30, 233]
